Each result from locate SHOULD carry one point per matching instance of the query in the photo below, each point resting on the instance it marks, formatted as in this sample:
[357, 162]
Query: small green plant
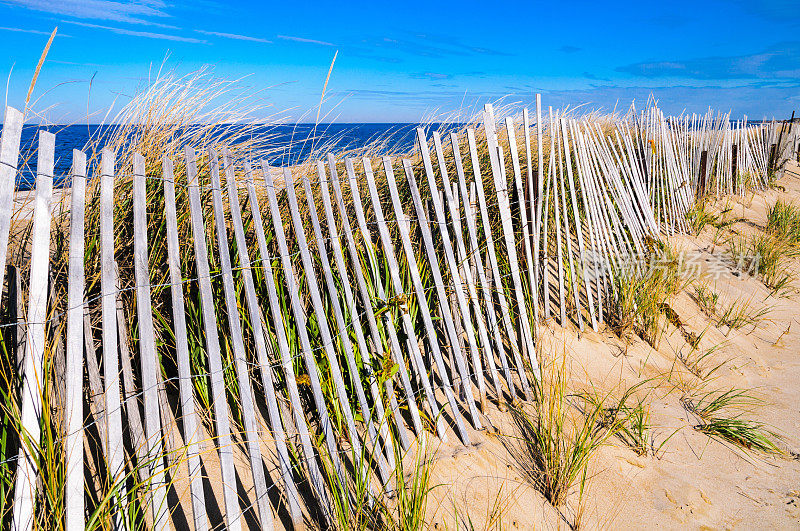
[711, 408]
[701, 362]
[764, 255]
[628, 415]
[701, 215]
[706, 298]
[783, 221]
[740, 314]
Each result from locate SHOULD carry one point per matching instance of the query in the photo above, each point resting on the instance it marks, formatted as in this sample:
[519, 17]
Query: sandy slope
[695, 481]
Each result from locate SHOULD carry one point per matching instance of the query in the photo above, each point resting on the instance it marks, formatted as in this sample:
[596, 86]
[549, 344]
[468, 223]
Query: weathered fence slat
[283, 344]
[111, 374]
[147, 345]
[9, 155]
[32, 374]
[333, 292]
[278, 431]
[300, 321]
[322, 322]
[224, 442]
[191, 425]
[487, 232]
[130, 402]
[422, 302]
[394, 344]
[523, 213]
[501, 189]
[73, 405]
[457, 269]
[469, 215]
[433, 261]
[578, 225]
[356, 320]
[250, 435]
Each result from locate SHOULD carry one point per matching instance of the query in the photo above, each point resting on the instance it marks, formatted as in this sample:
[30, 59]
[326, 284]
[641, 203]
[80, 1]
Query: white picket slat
[191, 426]
[224, 443]
[33, 385]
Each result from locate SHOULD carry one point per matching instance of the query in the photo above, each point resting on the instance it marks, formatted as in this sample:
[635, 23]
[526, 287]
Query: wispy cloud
[234, 36]
[133, 12]
[430, 75]
[302, 39]
[144, 34]
[72, 63]
[35, 32]
[781, 61]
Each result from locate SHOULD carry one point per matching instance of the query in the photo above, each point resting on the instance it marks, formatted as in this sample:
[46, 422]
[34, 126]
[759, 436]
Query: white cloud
[301, 39]
[144, 34]
[35, 32]
[134, 12]
[234, 36]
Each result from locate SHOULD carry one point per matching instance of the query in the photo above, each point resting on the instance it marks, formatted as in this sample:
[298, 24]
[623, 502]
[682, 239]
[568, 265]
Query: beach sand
[694, 482]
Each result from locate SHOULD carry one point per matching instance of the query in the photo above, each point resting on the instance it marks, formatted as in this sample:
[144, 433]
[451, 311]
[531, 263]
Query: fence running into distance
[269, 329]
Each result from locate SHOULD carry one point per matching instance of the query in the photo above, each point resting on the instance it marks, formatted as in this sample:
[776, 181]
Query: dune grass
[558, 437]
[721, 416]
[640, 292]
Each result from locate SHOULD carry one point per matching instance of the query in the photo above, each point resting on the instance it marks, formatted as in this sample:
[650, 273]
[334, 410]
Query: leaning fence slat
[402, 224]
[283, 344]
[523, 213]
[111, 376]
[433, 261]
[250, 434]
[487, 231]
[300, 320]
[73, 445]
[9, 154]
[147, 345]
[356, 319]
[33, 386]
[333, 292]
[319, 310]
[224, 442]
[480, 272]
[501, 188]
[366, 298]
[456, 272]
[261, 347]
[188, 405]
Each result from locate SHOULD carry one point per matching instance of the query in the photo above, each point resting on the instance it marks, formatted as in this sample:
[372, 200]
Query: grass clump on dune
[765, 256]
[720, 415]
[783, 221]
[556, 440]
[640, 292]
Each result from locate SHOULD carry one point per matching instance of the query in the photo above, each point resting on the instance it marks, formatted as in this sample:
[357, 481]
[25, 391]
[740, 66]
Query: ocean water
[293, 143]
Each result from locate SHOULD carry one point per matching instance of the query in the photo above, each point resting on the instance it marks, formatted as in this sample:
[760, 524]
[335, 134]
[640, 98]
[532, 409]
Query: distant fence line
[323, 318]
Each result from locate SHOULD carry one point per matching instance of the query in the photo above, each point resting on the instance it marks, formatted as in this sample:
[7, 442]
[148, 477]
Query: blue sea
[301, 138]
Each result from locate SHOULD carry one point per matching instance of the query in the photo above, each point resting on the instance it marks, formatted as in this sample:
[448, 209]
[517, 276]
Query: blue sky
[403, 61]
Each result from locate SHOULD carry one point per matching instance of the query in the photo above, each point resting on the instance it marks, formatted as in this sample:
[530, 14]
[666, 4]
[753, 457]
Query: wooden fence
[317, 320]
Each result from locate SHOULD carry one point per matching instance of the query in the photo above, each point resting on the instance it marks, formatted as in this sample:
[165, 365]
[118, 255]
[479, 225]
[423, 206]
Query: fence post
[701, 187]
